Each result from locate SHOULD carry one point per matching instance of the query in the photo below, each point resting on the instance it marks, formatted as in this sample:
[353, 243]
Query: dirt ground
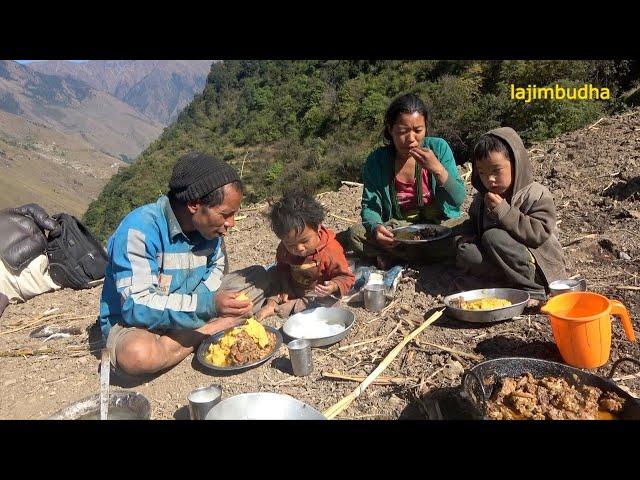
[594, 174]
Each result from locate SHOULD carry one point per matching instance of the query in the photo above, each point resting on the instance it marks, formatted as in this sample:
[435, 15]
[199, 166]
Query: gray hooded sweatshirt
[529, 217]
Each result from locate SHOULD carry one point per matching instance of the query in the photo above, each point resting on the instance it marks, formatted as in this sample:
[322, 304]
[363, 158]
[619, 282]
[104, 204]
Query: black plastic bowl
[204, 347]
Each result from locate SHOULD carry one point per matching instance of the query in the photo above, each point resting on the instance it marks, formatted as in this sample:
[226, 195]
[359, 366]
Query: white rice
[315, 329]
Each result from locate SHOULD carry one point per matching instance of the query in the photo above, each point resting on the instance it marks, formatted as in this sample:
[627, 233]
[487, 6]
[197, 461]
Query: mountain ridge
[139, 83]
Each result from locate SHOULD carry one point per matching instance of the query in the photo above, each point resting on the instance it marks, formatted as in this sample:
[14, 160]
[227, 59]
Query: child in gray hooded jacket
[513, 238]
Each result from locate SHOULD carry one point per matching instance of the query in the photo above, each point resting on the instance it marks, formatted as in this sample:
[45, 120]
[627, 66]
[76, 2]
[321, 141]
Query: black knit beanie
[196, 175]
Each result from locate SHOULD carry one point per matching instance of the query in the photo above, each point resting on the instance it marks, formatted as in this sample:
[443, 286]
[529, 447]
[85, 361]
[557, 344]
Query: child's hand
[466, 239]
[266, 311]
[492, 200]
[326, 289]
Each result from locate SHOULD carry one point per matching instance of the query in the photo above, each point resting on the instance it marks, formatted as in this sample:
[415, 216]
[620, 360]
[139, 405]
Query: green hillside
[311, 123]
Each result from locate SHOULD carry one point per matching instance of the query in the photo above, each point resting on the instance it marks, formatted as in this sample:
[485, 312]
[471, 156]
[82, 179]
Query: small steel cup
[564, 286]
[374, 297]
[203, 399]
[300, 355]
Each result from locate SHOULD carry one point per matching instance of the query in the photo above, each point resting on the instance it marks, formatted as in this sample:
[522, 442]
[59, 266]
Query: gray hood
[522, 173]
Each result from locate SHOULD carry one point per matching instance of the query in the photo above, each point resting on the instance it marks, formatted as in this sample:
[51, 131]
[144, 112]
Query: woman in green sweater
[412, 179]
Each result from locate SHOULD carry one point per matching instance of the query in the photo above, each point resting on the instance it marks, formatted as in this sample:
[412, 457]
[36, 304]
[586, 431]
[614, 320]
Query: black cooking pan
[479, 381]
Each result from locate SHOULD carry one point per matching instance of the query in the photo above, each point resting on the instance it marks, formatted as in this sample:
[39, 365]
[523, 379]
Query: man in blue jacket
[164, 289]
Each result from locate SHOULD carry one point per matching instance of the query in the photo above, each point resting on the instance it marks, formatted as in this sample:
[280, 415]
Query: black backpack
[76, 259]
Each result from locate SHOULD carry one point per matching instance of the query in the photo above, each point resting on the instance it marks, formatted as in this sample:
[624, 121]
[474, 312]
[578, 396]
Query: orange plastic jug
[581, 326]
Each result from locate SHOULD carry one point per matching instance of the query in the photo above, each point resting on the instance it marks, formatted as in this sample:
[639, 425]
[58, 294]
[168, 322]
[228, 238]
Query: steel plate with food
[240, 348]
[486, 305]
[420, 233]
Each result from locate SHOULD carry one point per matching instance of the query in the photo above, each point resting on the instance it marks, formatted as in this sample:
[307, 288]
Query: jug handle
[618, 362]
[619, 309]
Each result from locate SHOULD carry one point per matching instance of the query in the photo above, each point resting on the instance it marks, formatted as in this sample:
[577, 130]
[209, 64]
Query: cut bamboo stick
[335, 410]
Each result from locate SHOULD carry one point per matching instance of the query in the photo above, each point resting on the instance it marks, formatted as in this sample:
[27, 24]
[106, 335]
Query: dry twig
[357, 344]
[377, 381]
[51, 319]
[579, 239]
[348, 220]
[470, 356]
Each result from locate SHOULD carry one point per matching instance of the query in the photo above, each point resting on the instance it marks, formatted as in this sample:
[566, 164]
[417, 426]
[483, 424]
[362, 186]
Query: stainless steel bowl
[332, 316]
[563, 286]
[263, 406]
[122, 406]
[518, 299]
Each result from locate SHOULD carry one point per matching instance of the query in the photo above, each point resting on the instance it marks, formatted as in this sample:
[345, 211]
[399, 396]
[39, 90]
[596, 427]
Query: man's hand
[384, 237]
[220, 324]
[428, 160]
[326, 289]
[228, 306]
[492, 200]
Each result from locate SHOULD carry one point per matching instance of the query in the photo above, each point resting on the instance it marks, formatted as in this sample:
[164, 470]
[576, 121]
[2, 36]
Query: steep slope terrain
[61, 172]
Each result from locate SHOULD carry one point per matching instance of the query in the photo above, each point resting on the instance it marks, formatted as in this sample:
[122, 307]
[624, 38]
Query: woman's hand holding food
[384, 237]
[429, 161]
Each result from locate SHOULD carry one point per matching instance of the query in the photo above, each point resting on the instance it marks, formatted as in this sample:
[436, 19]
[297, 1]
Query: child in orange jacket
[310, 262]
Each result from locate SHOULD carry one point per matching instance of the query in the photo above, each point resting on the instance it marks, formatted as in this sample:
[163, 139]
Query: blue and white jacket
[157, 277]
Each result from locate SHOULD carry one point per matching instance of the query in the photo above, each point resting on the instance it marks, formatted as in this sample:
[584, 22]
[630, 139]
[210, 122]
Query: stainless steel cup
[300, 355]
[203, 399]
[374, 297]
[564, 286]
